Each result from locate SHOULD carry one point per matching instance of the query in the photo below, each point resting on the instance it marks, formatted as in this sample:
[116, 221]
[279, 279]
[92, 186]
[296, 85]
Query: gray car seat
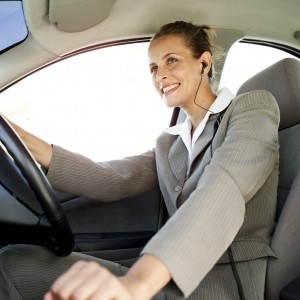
[283, 80]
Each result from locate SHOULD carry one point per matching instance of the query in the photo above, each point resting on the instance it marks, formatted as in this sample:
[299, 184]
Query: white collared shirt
[224, 97]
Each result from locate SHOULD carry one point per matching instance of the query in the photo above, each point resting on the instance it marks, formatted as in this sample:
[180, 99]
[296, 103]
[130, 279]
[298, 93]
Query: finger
[76, 276]
[101, 280]
[48, 296]
[65, 277]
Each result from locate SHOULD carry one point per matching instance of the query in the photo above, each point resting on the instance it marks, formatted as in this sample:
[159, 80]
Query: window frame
[236, 70]
[278, 46]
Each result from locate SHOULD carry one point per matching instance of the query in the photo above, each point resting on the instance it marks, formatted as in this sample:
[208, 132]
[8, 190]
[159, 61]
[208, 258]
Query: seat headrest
[282, 80]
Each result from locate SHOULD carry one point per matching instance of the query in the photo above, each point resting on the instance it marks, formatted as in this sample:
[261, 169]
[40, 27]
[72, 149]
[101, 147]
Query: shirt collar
[224, 97]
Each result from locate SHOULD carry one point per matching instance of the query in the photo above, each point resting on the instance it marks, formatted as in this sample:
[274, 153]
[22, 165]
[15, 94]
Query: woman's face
[176, 74]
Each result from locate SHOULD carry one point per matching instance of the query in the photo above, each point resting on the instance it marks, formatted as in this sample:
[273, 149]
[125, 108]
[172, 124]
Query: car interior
[32, 213]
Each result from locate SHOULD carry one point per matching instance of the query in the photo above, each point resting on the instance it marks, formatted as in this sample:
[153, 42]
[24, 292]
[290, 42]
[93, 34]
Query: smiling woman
[13, 28]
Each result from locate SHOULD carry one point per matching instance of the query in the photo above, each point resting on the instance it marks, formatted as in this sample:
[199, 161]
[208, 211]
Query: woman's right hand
[40, 149]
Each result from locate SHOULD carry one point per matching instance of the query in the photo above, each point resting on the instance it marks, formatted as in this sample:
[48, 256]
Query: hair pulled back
[197, 38]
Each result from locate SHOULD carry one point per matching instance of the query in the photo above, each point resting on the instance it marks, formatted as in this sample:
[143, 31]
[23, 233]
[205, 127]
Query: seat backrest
[283, 81]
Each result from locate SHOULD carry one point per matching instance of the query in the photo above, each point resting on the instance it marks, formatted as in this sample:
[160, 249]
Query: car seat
[282, 79]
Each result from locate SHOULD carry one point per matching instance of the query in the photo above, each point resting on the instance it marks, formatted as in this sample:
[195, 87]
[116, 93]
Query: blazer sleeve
[106, 181]
[201, 230]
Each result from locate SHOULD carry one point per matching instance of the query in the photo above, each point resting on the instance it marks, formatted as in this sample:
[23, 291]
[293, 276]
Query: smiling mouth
[169, 88]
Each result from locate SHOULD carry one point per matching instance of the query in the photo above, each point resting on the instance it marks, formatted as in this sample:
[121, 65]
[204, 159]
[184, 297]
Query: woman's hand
[41, 150]
[90, 281]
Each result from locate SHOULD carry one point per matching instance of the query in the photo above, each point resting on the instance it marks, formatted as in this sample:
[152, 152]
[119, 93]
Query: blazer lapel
[178, 155]
[178, 159]
[204, 139]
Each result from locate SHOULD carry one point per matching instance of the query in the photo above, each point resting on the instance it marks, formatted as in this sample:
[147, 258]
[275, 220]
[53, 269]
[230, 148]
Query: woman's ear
[206, 60]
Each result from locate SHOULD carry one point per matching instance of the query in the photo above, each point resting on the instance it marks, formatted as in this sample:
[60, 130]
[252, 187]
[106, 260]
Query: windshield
[13, 29]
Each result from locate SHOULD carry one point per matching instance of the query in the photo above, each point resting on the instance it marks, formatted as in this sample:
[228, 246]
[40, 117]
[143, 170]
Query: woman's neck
[199, 109]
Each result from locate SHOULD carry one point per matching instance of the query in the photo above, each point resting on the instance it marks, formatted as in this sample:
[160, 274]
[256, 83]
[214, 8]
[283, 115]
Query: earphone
[203, 67]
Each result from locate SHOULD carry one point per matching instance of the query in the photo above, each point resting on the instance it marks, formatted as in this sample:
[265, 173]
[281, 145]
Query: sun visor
[78, 15]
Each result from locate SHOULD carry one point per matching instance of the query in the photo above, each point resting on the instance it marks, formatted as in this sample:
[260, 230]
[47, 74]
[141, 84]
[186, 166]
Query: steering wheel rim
[62, 241]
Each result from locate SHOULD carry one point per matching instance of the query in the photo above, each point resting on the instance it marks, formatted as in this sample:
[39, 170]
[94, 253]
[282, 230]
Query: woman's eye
[171, 60]
[153, 69]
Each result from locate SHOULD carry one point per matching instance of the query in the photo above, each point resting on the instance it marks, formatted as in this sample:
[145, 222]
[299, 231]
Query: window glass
[12, 24]
[101, 103]
[245, 60]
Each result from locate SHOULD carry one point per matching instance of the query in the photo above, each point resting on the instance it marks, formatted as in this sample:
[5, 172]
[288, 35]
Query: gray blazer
[226, 197]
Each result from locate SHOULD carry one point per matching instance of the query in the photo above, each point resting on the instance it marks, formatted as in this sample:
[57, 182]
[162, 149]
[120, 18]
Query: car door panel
[114, 230]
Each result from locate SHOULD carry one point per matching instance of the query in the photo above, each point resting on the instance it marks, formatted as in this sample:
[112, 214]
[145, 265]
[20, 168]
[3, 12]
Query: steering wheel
[61, 241]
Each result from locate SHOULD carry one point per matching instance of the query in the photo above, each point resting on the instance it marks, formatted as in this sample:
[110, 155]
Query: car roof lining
[120, 25]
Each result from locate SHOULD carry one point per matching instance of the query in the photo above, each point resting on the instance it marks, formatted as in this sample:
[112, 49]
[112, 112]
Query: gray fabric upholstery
[289, 140]
[283, 80]
[286, 244]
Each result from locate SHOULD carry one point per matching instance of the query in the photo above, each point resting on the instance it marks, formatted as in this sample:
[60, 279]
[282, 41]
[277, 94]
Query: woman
[217, 171]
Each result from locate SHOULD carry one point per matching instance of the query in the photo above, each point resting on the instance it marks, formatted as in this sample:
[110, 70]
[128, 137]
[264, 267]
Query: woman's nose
[161, 74]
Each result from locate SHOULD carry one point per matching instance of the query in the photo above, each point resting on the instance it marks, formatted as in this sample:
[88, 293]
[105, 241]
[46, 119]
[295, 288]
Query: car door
[100, 104]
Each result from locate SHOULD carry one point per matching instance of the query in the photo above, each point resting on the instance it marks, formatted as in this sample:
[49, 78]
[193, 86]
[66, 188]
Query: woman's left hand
[89, 280]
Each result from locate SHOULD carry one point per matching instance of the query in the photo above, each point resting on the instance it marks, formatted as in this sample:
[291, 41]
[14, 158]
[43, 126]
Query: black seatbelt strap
[216, 126]
[236, 274]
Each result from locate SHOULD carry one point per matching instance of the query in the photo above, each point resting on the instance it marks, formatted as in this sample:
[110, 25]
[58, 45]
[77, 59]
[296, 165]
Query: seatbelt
[216, 126]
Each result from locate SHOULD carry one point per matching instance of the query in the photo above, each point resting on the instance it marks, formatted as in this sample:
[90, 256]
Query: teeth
[170, 87]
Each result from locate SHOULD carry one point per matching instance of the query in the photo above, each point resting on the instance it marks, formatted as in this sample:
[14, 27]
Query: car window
[245, 60]
[101, 103]
[12, 24]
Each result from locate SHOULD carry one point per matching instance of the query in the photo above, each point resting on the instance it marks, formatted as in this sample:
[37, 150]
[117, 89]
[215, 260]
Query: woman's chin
[170, 102]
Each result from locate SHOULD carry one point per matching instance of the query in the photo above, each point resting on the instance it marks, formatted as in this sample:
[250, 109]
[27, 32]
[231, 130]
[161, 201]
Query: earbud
[203, 67]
